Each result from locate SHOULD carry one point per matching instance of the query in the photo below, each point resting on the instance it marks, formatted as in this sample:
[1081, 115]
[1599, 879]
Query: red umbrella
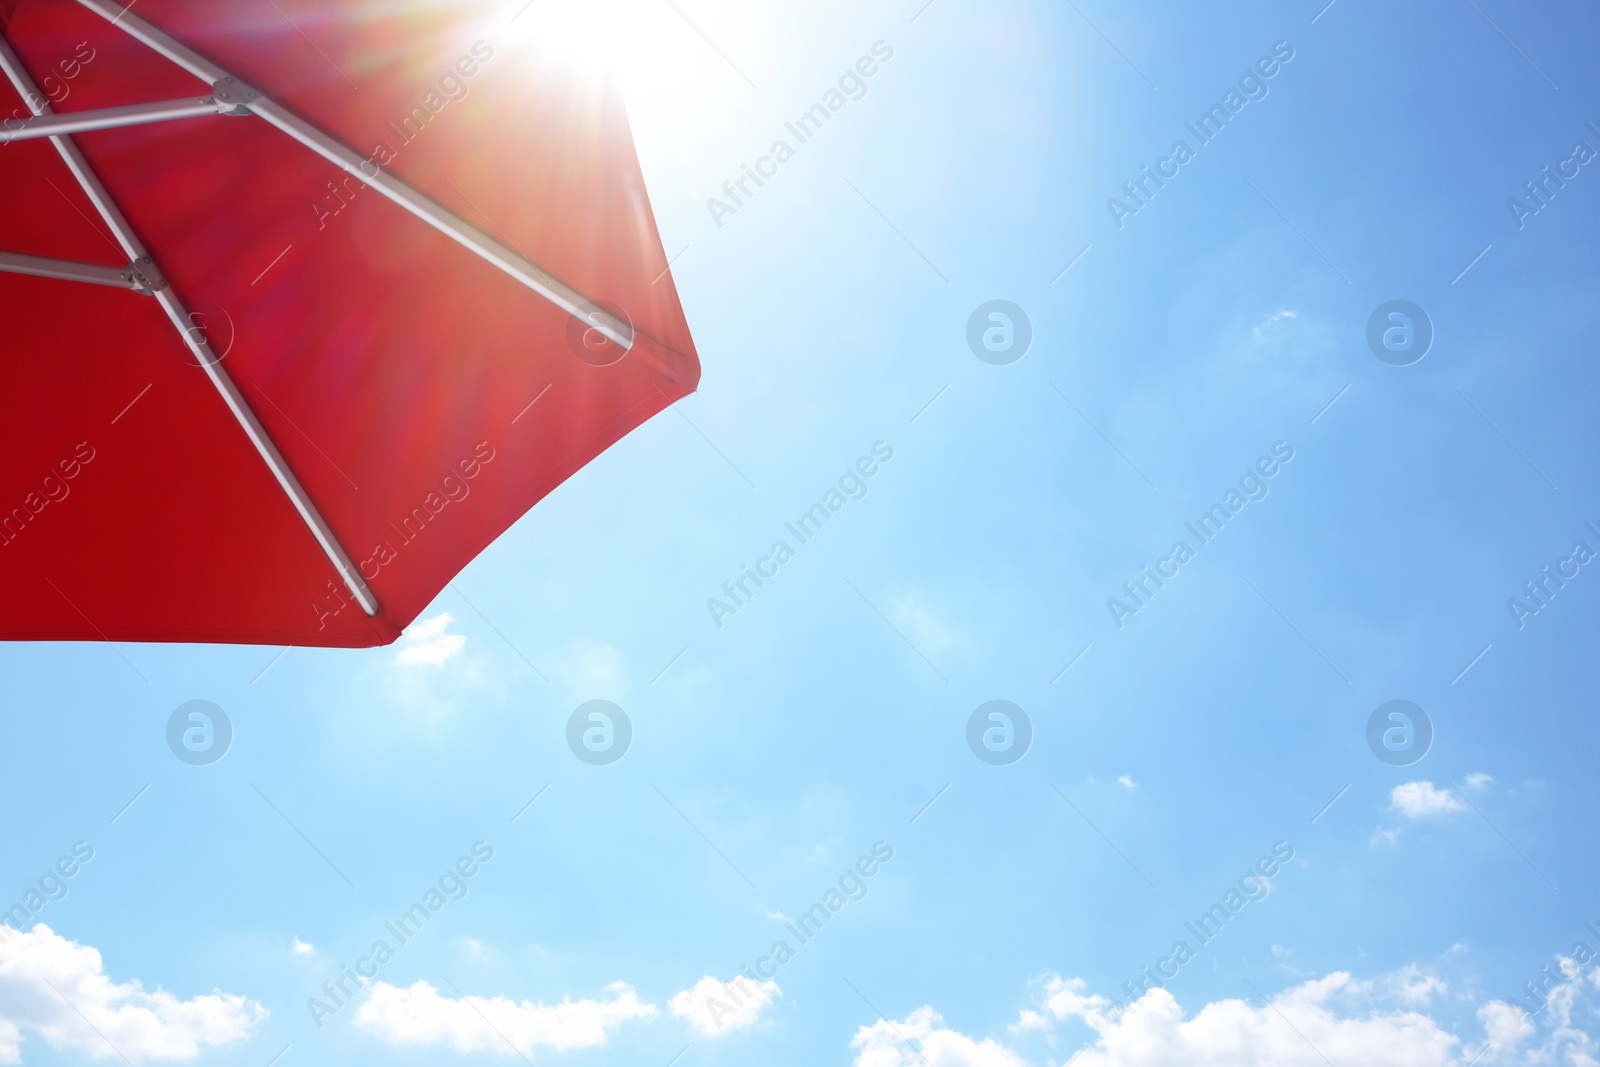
[316, 299]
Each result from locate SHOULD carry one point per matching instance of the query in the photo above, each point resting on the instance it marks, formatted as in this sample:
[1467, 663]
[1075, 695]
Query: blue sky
[769, 754]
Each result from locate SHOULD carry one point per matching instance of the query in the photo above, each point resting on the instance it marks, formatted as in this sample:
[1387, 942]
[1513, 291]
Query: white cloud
[302, 948]
[1337, 1017]
[921, 1039]
[426, 642]
[1479, 780]
[1502, 1023]
[1126, 782]
[59, 990]
[714, 1008]
[1513, 1035]
[1298, 1028]
[420, 1016]
[1505, 1026]
[1418, 800]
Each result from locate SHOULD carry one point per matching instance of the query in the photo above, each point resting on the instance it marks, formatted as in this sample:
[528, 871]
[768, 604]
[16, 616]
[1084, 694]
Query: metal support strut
[109, 118]
[67, 270]
[179, 316]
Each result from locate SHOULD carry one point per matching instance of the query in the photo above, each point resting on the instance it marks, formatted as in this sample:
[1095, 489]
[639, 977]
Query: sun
[660, 52]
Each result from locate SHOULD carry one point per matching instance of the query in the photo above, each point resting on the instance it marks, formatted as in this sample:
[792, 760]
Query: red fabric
[385, 361]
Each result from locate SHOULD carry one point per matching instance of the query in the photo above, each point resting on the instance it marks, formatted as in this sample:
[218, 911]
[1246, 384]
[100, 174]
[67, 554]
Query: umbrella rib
[434, 214]
[108, 118]
[67, 270]
[181, 320]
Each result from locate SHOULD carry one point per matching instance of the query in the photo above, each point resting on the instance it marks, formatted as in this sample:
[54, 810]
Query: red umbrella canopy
[421, 393]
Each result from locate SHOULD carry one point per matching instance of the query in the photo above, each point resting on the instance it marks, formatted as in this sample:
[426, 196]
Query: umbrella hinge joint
[146, 278]
[233, 91]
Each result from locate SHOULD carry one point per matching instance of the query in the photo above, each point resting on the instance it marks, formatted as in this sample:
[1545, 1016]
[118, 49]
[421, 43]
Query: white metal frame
[230, 96]
[94, 274]
[107, 118]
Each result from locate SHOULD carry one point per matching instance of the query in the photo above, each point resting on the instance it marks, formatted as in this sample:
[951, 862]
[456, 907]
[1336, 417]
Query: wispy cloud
[1260, 330]
[922, 624]
[592, 669]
